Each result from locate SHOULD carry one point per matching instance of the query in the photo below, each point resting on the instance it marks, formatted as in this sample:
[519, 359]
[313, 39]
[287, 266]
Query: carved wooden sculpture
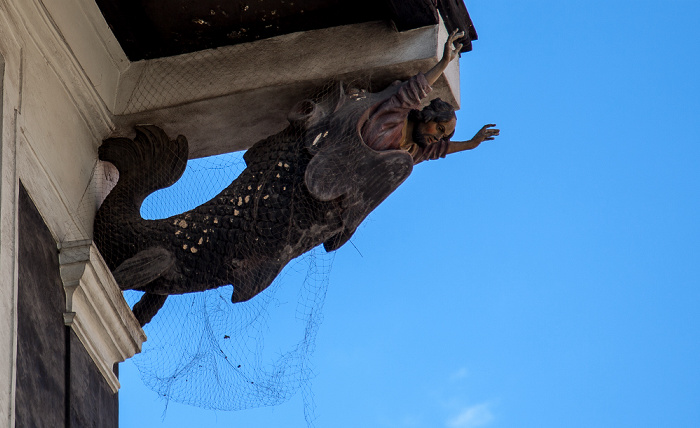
[312, 183]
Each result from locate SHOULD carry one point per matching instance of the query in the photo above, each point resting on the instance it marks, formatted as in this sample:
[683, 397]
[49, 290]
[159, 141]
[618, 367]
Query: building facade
[222, 73]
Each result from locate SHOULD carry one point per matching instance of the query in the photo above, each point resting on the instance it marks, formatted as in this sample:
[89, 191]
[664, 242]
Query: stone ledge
[227, 99]
[96, 309]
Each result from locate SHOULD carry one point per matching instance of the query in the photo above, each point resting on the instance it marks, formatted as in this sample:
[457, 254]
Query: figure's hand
[452, 50]
[486, 133]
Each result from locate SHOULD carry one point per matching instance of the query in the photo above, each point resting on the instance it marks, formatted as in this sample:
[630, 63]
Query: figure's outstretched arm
[486, 133]
[450, 52]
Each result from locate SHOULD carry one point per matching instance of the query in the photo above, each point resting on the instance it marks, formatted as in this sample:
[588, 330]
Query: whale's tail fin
[149, 162]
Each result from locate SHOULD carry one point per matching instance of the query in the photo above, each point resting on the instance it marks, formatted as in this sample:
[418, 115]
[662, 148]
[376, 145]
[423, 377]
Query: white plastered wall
[10, 63]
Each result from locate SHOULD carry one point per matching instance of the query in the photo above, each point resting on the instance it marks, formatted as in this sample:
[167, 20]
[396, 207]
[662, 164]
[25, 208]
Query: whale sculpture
[312, 183]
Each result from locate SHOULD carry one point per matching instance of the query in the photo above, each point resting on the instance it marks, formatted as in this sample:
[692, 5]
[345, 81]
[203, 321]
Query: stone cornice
[96, 310]
[43, 32]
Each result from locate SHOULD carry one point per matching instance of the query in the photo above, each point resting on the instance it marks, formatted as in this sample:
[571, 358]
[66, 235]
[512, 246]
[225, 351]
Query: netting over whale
[226, 259]
[312, 183]
[204, 351]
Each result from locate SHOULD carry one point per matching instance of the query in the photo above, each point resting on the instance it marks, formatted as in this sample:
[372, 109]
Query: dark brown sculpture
[312, 183]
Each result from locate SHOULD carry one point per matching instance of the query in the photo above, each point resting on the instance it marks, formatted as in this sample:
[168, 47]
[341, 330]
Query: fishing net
[226, 259]
[204, 351]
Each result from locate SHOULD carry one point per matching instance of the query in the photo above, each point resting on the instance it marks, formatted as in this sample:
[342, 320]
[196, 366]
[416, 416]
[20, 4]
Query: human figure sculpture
[313, 183]
[396, 123]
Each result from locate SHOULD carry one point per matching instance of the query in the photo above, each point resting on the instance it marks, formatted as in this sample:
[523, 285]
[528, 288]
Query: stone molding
[84, 29]
[96, 309]
[10, 97]
[44, 32]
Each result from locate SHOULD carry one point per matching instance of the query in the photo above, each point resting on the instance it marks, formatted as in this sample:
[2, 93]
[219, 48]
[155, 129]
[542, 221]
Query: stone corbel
[96, 309]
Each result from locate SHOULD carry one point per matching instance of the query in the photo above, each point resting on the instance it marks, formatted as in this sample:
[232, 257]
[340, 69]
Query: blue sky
[550, 278]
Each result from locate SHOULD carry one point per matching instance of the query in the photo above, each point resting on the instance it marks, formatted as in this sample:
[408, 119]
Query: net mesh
[204, 351]
[166, 82]
[242, 228]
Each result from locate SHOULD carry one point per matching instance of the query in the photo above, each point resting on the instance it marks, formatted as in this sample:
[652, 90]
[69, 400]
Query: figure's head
[435, 122]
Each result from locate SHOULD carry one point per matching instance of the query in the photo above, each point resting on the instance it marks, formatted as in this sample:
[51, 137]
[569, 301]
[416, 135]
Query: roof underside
[148, 29]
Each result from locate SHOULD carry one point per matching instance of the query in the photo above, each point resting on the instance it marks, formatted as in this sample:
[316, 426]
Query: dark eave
[455, 15]
[148, 29]
[409, 14]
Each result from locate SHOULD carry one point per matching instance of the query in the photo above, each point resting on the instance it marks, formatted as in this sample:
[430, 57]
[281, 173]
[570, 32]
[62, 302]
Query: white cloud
[472, 416]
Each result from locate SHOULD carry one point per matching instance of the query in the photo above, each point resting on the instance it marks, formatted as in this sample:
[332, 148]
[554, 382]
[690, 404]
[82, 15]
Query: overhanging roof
[225, 92]
[148, 29]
